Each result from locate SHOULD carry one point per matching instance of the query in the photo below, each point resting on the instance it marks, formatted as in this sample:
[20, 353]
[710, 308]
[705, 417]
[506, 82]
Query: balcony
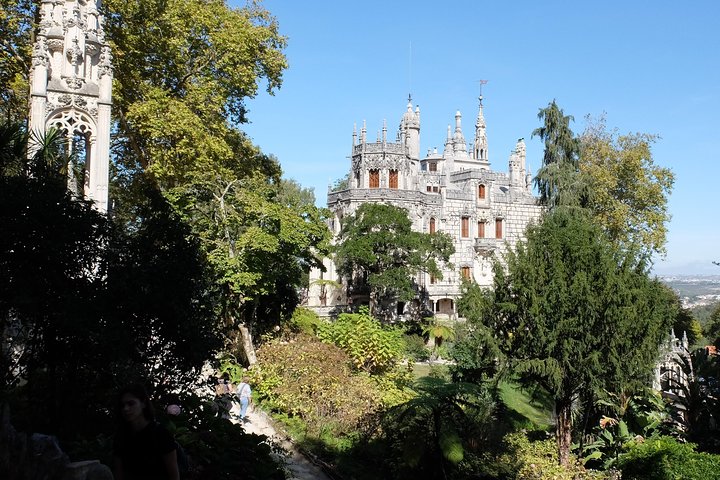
[487, 246]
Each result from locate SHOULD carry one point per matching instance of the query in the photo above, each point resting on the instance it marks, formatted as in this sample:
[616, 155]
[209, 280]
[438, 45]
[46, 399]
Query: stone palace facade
[455, 191]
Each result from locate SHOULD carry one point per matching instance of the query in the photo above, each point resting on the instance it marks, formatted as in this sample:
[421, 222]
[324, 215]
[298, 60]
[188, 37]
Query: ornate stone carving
[40, 55]
[91, 49]
[105, 63]
[55, 45]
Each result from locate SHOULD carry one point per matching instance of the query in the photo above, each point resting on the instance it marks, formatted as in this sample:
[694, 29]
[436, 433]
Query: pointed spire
[384, 131]
[354, 141]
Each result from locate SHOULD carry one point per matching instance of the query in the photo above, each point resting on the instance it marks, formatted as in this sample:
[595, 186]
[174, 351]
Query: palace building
[455, 191]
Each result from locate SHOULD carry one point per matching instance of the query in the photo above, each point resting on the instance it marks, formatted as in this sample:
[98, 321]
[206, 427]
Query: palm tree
[437, 333]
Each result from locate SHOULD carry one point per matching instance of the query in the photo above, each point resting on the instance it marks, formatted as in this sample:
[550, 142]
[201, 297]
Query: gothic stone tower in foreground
[455, 191]
[71, 89]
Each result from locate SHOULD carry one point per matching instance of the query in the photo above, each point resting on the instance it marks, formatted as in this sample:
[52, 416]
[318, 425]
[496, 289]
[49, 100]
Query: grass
[426, 370]
[535, 409]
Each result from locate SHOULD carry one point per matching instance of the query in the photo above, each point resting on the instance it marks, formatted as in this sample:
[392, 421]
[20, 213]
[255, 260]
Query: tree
[594, 171]
[80, 294]
[377, 248]
[16, 25]
[181, 82]
[556, 180]
[627, 191]
[576, 315]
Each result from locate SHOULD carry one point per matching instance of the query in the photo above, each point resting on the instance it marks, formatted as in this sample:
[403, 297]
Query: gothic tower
[480, 151]
[71, 89]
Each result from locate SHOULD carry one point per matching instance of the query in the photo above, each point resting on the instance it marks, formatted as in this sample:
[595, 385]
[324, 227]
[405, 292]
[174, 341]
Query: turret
[480, 150]
[410, 131]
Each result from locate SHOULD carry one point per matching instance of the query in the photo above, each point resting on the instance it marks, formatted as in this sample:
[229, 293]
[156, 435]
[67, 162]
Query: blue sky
[649, 66]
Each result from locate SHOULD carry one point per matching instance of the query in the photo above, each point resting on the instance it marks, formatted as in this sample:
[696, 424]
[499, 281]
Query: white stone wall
[453, 195]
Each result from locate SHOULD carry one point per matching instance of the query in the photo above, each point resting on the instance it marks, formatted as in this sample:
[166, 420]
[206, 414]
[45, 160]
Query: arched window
[375, 178]
[432, 225]
[481, 192]
[465, 272]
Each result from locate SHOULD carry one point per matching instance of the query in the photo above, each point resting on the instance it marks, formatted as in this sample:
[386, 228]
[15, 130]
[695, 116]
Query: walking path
[298, 466]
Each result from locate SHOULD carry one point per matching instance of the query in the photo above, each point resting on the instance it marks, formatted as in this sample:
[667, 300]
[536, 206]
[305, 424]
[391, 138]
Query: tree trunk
[563, 429]
[247, 344]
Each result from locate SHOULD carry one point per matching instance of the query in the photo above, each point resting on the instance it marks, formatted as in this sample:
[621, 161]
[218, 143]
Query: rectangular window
[429, 188]
[393, 179]
[481, 192]
[481, 229]
[465, 227]
[433, 167]
[436, 189]
[374, 178]
[465, 272]
[432, 225]
[498, 228]
[433, 280]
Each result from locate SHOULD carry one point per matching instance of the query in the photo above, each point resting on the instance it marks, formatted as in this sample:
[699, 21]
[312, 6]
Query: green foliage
[574, 314]
[378, 243]
[665, 458]
[538, 460]
[373, 348]
[556, 179]
[17, 20]
[182, 70]
[415, 349]
[305, 321]
[315, 382]
[712, 328]
[431, 433]
[630, 216]
[80, 294]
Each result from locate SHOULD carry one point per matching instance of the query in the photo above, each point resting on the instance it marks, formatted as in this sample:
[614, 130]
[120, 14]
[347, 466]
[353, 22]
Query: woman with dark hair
[143, 449]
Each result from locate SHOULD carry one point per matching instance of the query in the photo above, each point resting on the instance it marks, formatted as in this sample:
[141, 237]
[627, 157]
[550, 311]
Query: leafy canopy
[378, 244]
[574, 314]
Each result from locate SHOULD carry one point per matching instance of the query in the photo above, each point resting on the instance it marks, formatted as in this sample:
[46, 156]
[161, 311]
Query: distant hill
[694, 290]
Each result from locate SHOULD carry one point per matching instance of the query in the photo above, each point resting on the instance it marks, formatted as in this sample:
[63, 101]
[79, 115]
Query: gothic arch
[72, 120]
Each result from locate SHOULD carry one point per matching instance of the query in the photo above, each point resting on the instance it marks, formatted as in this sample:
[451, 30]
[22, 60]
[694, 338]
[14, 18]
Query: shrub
[372, 347]
[664, 458]
[415, 348]
[314, 381]
[305, 321]
[526, 459]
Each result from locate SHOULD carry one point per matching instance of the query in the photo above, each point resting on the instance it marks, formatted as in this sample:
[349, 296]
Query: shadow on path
[298, 466]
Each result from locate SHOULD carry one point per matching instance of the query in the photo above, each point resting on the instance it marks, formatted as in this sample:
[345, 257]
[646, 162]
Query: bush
[415, 348]
[305, 321]
[526, 459]
[372, 347]
[314, 381]
[664, 458]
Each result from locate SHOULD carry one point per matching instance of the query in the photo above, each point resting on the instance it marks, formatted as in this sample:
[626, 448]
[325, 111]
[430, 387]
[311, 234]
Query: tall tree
[575, 315]
[557, 180]
[17, 20]
[377, 248]
[627, 191]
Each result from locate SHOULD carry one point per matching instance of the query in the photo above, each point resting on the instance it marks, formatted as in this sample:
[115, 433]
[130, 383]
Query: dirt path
[299, 467]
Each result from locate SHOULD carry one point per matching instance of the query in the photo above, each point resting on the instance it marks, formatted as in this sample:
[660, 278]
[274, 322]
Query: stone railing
[487, 246]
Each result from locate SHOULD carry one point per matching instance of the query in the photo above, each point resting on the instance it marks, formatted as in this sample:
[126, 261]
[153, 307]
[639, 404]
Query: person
[143, 449]
[244, 394]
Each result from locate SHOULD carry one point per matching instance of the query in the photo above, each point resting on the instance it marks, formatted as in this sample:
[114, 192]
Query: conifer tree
[574, 314]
